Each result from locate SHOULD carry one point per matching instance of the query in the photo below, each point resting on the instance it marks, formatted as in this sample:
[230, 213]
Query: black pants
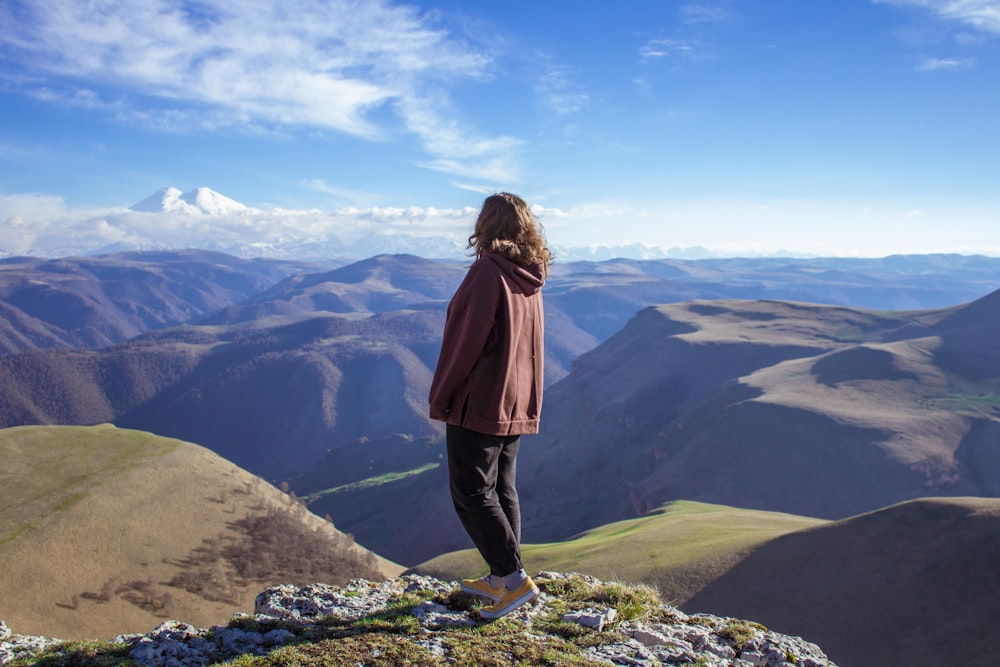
[482, 470]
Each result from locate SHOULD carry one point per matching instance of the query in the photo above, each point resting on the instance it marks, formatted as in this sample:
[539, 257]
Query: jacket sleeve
[470, 320]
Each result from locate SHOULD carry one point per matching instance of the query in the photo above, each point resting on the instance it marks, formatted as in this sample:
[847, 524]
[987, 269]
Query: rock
[16, 646]
[596, 619]
[433, 615]
[286, 613]
[650, 637]
[173, 644]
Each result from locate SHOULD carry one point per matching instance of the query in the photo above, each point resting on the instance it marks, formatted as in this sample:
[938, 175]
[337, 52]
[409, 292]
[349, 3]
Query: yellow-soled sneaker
[511, 600]
[482, 588]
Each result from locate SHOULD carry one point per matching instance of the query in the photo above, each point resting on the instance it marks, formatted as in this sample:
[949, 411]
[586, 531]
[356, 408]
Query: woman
[487, 388]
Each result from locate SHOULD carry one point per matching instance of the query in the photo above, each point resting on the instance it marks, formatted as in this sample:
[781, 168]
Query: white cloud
[257, 65]
[934, 64]
[45, 225]
[662, 48]
[980, 14]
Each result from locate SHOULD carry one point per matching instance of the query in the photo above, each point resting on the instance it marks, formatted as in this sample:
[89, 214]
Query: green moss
[367, 649]
[510, 647]
[78, 654]
[370, 482]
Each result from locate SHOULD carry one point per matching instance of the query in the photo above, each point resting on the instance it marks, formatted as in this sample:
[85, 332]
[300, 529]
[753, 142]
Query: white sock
[513, 580]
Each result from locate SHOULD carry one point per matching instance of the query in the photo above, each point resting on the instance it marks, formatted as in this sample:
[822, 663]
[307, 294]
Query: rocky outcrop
[425, 613]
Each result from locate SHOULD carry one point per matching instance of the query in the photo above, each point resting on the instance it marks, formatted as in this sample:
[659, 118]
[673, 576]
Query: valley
[700, 417]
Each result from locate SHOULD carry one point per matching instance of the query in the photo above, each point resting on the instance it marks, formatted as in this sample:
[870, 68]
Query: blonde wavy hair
[506, 226]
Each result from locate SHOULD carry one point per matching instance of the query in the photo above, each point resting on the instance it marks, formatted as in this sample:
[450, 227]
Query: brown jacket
[489, 373]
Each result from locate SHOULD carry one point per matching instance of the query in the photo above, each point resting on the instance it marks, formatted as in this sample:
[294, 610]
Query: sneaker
[482, 588]
[511, 600]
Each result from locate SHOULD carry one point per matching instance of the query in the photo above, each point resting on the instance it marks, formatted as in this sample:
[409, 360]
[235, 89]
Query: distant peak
[164, 199]
[200, 201]
[211, 202]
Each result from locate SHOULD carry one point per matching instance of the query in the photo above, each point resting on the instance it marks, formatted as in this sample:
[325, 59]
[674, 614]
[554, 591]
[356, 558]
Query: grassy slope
[910, 584]
[96, 521]
[679, 548]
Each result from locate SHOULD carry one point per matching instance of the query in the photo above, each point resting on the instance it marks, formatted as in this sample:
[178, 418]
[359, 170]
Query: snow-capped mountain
[200, 201]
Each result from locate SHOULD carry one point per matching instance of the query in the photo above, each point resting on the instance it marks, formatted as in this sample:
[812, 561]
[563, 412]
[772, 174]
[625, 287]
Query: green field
[678, 548]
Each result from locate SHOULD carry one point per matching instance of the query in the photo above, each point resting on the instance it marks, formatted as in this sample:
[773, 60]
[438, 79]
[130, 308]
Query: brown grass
[166, 531]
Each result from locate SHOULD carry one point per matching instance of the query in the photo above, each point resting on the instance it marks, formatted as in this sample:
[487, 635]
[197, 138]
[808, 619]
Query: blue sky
[826, 127]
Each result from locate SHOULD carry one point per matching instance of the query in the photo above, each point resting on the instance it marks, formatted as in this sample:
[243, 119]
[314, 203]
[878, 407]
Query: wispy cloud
[257, 65]
[557, 91]
[663, 48]
[344, 196]
[980, 14]
[935, 64]
[703, 13]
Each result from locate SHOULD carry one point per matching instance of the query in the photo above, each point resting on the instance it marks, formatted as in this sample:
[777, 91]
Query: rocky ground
[425, 621]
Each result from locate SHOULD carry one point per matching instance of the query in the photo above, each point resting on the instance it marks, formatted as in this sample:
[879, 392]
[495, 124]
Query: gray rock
[591, 618]
[434, 615]
[699, 638]
[649, 637]
[15, 646]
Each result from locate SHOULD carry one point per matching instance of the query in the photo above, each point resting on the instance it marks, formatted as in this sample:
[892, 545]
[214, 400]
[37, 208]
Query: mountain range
[831, 391]
[813, 410]
[89, 302]
[320, 379]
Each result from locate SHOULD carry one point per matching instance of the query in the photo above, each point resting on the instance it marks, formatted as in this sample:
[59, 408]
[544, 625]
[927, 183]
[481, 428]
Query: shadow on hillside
[902, 585]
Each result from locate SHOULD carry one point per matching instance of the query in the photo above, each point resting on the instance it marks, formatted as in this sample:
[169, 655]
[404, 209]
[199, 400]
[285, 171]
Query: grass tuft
[394, 637]
[739, 633]
[631, 601]
[78, 654]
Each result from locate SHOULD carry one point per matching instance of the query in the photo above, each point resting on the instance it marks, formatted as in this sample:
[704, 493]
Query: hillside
[679, 548]
[271, 397]
[807, 409]
[105, 530]
[335, 402]
[902, 585]
[906, 585]
[96, 301]
[812, 410]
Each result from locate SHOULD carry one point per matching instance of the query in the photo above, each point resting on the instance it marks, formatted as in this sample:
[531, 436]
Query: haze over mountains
[202, 218]
[97, 301]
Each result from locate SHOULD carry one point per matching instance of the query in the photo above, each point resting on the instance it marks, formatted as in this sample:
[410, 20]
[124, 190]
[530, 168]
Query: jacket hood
[529, 278]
